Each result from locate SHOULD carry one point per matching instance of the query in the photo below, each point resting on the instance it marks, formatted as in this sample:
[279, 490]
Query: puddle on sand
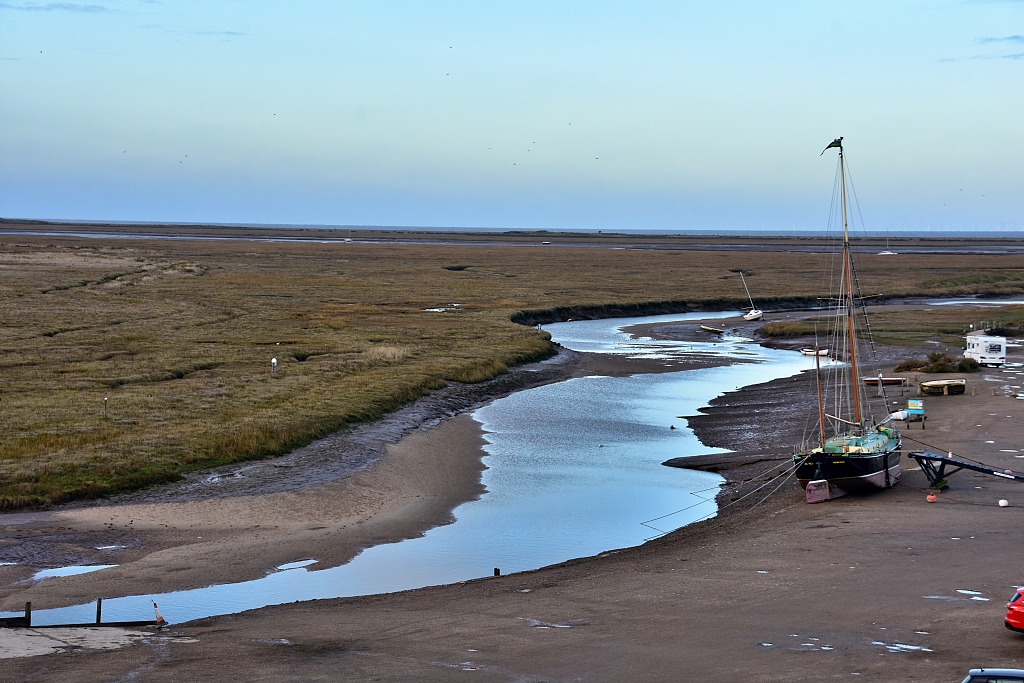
[70, 571]
[579, 481]
[901, 647]
[295, 565]
[535, 623]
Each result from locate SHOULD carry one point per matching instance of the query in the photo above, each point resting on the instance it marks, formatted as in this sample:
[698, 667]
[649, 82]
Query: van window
[995, 348]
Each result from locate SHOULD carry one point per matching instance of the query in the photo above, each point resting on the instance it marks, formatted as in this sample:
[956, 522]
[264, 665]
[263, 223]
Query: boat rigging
[853, 453]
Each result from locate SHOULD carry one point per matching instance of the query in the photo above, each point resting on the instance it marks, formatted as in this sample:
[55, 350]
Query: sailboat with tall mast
[754, 313]
[851, 452]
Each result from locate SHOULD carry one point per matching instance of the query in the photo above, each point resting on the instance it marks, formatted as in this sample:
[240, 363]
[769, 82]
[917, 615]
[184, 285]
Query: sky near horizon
[555, 115]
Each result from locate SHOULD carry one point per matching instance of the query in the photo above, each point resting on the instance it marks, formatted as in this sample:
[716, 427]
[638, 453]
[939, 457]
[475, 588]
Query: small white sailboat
[887, 252]
[754, 313]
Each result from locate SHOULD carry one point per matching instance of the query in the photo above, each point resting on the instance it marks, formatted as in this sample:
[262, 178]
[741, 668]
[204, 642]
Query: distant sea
[726, 232]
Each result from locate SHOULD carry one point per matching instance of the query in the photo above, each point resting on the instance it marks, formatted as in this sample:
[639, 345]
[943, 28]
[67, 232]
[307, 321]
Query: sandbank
[878, 587]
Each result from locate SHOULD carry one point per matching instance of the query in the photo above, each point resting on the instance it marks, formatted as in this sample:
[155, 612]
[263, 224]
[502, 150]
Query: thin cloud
[1007, 39]
[179, 32]
[1017, 55]
[56, 7]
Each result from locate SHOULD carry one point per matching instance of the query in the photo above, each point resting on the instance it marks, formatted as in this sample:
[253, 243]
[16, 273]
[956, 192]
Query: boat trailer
[934, 467]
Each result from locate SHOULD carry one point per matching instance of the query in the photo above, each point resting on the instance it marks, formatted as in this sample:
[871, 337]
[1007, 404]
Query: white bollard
[273, 365]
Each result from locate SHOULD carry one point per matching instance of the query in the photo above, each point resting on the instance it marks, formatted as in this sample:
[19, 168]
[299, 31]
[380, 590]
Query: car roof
[997, 672]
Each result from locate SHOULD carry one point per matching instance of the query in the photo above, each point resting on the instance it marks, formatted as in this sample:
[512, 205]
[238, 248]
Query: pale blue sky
[661, 116]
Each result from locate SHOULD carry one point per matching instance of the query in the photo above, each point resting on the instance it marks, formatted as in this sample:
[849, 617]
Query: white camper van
[985, 349]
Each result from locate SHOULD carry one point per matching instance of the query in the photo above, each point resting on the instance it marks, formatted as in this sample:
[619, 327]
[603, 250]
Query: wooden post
[99, 609]
[28, 614]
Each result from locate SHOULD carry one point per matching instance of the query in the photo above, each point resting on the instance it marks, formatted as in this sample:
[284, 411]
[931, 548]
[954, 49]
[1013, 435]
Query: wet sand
[758, 593]
[380, 483]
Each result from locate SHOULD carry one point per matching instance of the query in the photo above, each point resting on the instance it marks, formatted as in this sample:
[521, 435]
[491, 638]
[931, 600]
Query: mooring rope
[943, 450]
[789, 472]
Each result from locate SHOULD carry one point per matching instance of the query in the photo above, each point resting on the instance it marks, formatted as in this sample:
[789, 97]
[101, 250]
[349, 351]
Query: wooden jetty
[26, 620]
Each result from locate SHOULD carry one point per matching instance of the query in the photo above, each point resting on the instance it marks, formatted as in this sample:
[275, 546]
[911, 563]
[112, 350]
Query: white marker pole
[273, 365]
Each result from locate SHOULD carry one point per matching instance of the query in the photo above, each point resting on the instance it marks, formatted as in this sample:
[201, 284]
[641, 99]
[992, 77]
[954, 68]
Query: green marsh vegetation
[945, 325]
[179, 337]
[939, 362]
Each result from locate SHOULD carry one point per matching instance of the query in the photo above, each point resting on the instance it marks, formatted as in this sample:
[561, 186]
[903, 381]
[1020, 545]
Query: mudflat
[880, 587]
[378, 483]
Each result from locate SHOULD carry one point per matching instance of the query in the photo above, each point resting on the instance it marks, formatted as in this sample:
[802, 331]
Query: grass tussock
[178, 336]
[386, 353]
[477, 371]
[788, 330]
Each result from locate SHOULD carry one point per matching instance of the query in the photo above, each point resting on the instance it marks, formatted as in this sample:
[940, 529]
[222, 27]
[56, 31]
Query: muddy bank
[377, 483]
[380, 483]
[879, 587]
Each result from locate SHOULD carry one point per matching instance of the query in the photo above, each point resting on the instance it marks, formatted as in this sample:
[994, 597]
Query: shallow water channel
[574, 469]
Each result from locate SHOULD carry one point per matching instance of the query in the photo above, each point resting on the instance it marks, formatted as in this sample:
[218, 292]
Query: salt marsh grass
[178, 336]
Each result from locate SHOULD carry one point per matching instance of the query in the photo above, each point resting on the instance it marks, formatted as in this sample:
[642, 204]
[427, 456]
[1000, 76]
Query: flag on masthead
[838, 142]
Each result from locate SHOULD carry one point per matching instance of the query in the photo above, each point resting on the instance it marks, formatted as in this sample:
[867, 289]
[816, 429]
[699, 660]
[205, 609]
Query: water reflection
[573, 470]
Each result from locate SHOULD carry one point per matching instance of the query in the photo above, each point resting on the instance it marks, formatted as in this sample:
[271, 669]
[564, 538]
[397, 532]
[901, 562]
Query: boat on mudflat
[886, 381]
[943, 387]
[852, 452]
[708, 328]
[754, 313]
[814, 352]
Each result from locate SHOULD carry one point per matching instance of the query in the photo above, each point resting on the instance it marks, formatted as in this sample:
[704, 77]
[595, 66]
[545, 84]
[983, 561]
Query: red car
[1015, 612]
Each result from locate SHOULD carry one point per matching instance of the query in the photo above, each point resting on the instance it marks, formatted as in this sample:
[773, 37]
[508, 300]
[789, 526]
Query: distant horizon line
[660, 232]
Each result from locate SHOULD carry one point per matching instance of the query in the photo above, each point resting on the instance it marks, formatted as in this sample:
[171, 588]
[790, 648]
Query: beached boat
[814, 352]
[754, 313]
[886, 381]
[708, 328]
[852, 452]
[943, 387]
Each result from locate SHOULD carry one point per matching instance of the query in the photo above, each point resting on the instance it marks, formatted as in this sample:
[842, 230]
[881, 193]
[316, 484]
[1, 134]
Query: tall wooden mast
[848, 283]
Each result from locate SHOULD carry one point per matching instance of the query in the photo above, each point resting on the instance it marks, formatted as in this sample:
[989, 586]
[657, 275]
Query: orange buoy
[932, 497]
